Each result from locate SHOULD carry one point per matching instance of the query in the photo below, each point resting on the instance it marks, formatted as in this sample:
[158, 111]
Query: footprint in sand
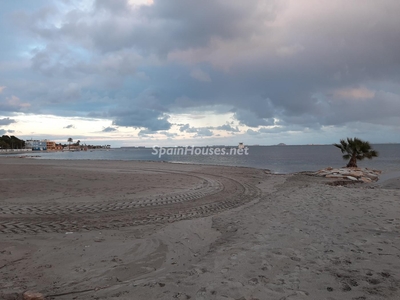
[253, 281]
[201, 294]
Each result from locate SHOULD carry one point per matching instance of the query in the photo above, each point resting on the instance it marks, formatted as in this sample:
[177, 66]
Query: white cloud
[135, 3]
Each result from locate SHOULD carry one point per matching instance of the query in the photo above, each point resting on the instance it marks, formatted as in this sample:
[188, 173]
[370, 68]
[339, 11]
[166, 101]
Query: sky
[211, 72]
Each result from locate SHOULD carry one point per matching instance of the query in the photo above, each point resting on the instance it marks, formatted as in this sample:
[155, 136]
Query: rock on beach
[355, 174]
[29, 295]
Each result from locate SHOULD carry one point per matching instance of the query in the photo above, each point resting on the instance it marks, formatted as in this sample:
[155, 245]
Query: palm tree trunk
[353, 162]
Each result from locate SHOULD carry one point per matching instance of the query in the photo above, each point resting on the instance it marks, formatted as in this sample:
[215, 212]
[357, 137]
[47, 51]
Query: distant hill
[11, 142]
[281, 144]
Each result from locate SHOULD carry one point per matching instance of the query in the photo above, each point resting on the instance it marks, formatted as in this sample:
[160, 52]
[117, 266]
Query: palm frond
[371, 154]
[340, 147]
[355, 148]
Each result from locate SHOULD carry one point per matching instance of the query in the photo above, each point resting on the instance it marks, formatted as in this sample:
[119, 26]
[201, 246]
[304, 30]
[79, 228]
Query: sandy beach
[154, 230]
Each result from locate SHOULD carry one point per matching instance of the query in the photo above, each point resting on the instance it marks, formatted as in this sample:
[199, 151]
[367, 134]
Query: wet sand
[148, 230]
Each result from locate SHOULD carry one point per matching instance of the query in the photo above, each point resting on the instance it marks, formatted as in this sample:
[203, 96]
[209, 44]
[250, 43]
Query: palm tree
[356, 149]
[70, 140]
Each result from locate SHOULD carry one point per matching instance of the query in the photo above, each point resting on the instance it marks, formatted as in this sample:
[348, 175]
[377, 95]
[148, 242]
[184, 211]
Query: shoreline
[386, 174]
[147, 230]
[281, 160]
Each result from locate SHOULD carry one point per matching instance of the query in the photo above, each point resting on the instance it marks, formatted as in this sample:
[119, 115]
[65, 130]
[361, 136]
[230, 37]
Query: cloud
[251, 119]
[169, 134]
[109, 129]
[168, 25]
[2, 131]
[381, 109]
[145, 66]
[203, 132]
[7, 121]
[289, 50]
[145, 132]
[148, 133]
[200, 75]
[14, 104]
[69, 126]
[252, 132]
[135, 3]
[146, 110]
[274, 130]
[140, 118]
[58, 59]
[184, 127]
[227, 127]
[355, 93]
[199, 132]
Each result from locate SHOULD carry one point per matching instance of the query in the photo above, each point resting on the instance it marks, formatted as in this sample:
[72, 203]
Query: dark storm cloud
[140, 117]
[175, 24]
[60, 59]
[250, 118]
[166, 25]
[381, 108]
[7, 121]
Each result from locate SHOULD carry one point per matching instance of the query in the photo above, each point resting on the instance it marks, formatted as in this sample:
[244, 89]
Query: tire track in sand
[216, 194]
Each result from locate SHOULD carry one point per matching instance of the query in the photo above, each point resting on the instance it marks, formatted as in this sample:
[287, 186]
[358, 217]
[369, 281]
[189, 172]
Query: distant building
[50, 145]
[74, 147]
[241, 146]
[36, 145]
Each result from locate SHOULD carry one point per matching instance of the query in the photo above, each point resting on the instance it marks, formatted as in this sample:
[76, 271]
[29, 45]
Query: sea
[278, 159]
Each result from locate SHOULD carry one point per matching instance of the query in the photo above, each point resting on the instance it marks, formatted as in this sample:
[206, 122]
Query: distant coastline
[278, 159]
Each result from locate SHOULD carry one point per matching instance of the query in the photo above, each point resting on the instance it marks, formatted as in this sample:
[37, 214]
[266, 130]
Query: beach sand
[153, 230]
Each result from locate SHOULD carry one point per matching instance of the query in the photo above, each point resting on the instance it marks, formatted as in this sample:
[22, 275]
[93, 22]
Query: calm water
[278, 159]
